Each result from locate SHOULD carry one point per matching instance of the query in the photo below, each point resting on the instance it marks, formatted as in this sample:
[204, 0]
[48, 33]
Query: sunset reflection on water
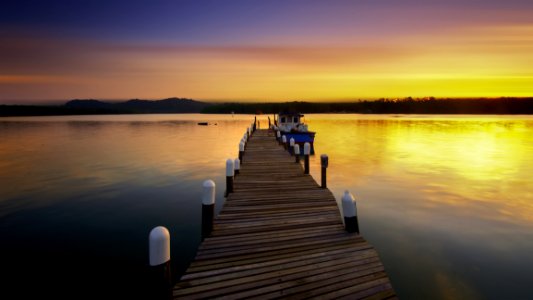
[446, 200]
[445, 197]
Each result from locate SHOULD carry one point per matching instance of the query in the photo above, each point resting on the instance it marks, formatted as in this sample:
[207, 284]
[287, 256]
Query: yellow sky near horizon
[469, 61]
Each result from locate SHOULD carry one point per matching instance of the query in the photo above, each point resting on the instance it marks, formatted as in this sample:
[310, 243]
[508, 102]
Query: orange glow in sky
[464, 58]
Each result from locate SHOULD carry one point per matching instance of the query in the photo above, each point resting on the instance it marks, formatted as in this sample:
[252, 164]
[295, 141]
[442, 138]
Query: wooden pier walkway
[280, 235]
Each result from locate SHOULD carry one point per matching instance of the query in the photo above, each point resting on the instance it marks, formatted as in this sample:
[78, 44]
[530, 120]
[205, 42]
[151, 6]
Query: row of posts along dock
[279, 234]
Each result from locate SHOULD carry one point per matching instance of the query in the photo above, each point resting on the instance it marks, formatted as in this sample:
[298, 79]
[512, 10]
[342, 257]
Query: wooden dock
[280, 235]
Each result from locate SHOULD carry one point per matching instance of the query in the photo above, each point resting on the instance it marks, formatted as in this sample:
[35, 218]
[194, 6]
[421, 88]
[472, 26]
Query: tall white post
[237, 166]
[208, 207]
[297, 153]
[241, 151]
[230, 172]
[291, 145]
[349, 210]
[159, 258]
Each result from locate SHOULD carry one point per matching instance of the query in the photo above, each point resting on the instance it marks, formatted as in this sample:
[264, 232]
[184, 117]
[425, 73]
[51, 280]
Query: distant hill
[136, 106]
[178, 105]
[98, 107]
[88, 104]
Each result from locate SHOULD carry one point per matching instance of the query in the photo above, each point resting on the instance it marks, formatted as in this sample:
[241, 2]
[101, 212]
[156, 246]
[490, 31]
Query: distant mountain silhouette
[98, 107]
[136, 106]
[87, 104]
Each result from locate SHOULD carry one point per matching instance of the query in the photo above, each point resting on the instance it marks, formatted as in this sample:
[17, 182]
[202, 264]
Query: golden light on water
[57, 156]
[435, 190]
[446, 200]
[465, 164]
[450, 193]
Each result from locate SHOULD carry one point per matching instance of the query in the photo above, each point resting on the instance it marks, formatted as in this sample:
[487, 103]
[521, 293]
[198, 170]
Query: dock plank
[279, 235]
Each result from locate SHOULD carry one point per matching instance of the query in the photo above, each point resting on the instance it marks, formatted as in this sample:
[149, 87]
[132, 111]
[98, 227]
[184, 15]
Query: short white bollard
[229, 176]
[159, 246]
[349, 210]
[237, 166]
[291, 146]
[241, 150]
[307, 152]
[159, 257]
[297, 153]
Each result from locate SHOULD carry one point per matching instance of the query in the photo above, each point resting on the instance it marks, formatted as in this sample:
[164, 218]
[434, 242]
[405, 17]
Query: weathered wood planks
[280, 235]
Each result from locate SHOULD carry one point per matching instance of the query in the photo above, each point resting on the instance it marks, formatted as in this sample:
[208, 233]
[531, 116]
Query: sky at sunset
[264, 50]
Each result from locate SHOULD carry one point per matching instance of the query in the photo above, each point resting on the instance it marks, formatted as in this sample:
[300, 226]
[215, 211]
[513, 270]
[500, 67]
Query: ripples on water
[447, 201]
[81, 194]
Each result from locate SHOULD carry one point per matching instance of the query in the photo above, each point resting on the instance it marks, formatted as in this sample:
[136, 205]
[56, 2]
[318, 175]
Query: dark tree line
[385, 106]
[381, 106]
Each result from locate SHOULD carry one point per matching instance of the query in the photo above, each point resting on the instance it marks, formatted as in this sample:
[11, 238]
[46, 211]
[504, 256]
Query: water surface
[80, 195]
[446, 200]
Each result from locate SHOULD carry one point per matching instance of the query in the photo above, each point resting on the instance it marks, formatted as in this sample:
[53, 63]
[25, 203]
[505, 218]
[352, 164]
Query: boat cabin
[291, 122]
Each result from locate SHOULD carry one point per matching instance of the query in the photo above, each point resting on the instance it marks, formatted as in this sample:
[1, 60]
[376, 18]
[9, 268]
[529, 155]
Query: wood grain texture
[279, 235]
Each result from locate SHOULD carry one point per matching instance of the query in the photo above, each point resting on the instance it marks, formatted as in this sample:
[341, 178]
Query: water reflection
[88, 190]
[447, 201]
[444, 198]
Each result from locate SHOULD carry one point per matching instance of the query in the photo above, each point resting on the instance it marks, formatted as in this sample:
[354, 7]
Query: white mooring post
[159, 258]
[349, 210]
[237, 166]
[208, 207]
[324, 161]
[241, 150]
[284, 141]
[291, 146]
[229, 176]
[297, 153]
[307, 152]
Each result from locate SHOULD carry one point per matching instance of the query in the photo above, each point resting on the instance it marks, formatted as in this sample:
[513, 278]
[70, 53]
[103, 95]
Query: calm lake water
[446, 200]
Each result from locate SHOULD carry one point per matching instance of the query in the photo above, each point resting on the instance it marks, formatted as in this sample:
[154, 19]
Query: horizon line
[44, 102]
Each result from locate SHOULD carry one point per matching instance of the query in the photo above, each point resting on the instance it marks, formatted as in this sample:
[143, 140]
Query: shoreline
[500, 106]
